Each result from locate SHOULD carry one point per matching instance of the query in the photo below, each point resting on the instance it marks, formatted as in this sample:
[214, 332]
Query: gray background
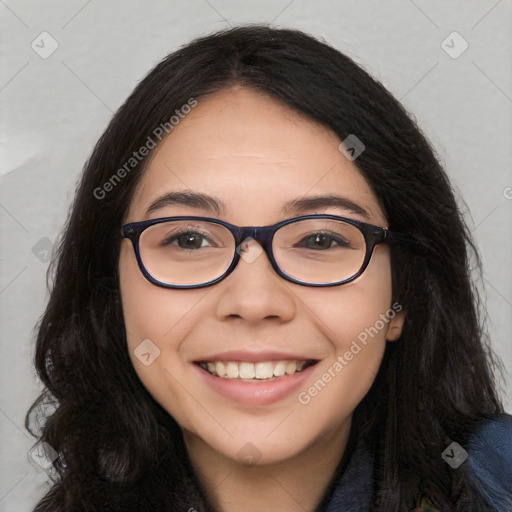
[54, 109]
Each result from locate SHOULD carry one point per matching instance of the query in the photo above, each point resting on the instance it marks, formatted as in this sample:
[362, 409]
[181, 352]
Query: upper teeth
[259, 370]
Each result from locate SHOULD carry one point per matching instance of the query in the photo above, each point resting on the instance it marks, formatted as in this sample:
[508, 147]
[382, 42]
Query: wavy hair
[118, 449]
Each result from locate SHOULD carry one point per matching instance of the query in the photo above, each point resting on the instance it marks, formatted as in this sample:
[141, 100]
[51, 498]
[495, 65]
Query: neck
[296, 484]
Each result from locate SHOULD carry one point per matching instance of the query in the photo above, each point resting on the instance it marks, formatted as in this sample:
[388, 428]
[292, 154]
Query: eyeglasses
[311, 250]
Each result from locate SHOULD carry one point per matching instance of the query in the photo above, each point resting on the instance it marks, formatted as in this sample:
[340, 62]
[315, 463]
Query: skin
[255, 154]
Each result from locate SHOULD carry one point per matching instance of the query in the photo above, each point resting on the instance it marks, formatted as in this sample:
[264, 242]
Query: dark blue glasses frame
[373, 236]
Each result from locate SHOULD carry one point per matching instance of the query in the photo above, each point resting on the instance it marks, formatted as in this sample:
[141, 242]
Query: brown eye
[186, 240]
[322, 241]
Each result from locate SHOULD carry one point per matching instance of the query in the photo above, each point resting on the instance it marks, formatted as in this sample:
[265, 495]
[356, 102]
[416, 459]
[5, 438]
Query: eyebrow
[217, 207]
[190, 199]
[305, 204]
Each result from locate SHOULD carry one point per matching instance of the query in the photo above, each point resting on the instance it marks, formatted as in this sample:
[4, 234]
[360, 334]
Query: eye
[323, 241]
[186, 240]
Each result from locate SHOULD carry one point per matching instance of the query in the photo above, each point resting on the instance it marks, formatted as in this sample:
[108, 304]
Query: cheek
[156, 321]
[151, 310]
[145, 307]
[352, 309]
[354, 318]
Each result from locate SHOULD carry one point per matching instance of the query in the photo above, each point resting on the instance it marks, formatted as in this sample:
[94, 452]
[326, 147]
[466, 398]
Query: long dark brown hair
[117, 448]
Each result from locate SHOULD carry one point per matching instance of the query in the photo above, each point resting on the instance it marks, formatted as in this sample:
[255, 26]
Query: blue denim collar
[354, 489]
[489, 467]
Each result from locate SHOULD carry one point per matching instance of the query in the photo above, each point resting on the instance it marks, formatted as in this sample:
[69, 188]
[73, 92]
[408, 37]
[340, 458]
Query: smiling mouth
[257, 371]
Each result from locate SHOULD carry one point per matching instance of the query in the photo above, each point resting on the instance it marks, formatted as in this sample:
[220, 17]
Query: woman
[330, 358]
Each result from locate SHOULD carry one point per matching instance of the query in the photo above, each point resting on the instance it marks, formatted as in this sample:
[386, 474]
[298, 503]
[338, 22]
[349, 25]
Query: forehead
[254, 154]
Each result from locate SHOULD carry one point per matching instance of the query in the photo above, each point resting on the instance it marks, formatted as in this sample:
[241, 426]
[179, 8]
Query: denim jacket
[488, 467]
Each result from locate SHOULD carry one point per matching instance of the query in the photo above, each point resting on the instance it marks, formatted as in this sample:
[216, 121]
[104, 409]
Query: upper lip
[260, 356]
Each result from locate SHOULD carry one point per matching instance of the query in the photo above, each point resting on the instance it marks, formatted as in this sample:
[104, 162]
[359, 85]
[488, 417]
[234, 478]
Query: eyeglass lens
[189, 252]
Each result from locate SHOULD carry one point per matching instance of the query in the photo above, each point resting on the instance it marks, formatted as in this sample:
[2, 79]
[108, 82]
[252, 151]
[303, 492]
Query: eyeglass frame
[373, 235]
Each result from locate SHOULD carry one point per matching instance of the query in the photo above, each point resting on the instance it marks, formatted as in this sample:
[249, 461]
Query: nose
[254, 291]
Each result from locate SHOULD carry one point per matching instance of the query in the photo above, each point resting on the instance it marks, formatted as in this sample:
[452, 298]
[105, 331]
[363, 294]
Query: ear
[395, 327]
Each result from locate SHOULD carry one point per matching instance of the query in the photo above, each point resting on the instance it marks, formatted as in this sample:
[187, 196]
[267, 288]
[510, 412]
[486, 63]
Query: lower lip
[262, 392]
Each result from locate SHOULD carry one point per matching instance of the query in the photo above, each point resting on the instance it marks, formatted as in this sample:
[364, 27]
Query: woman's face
[254, 155]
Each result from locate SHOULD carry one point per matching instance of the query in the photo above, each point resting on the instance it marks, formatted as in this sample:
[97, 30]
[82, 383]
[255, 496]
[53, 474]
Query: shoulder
[489, 462]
